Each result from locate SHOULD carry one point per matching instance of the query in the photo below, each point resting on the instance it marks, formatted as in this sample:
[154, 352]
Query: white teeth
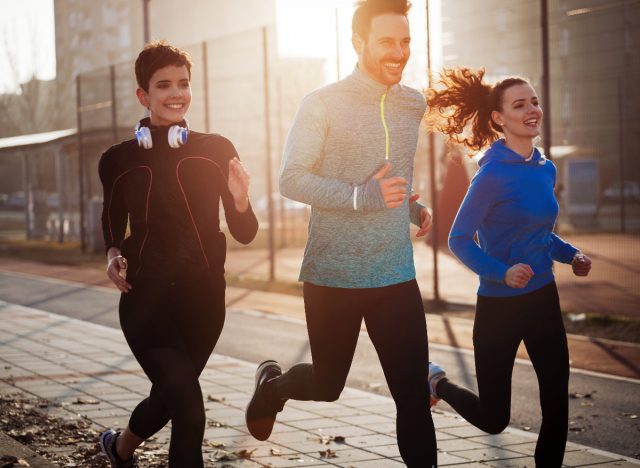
[392, 65]
[175, 106]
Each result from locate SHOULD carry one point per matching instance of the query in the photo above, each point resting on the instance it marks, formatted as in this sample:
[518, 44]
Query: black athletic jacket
[170, 198]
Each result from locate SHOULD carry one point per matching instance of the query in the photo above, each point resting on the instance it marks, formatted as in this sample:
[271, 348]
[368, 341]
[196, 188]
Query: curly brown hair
[466, 98]
[157, 55]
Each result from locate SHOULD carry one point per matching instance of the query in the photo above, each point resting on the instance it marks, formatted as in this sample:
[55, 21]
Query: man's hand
[239, 185]
[518, 276]
[581, 264]
[394, 189]
[116, 266]
[425, 217]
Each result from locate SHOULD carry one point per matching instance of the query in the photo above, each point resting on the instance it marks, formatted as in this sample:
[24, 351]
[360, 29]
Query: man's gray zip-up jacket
[342, 134]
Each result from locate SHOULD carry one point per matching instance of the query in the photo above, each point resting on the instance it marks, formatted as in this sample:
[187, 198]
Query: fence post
[267, 129]
[205, 77]
[81, 207]
[432, 180]
[546, 89]
[60, 181]
[623, 201]
[114, 108]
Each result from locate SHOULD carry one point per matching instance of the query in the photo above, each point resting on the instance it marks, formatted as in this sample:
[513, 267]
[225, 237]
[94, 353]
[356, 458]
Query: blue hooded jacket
[511, 206]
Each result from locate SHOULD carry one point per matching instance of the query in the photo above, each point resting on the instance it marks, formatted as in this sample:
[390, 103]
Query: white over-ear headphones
[177, 135]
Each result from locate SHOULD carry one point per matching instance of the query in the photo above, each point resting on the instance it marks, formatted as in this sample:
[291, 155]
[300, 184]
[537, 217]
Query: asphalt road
[602, 420]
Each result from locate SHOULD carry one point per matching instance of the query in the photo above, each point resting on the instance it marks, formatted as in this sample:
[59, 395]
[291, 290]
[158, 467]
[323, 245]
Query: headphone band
[177, 135]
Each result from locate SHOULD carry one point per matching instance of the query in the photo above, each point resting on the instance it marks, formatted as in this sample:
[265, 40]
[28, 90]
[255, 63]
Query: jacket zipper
[384, 124]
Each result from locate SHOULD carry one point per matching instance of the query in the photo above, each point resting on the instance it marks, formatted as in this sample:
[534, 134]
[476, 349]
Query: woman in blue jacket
[511, 208]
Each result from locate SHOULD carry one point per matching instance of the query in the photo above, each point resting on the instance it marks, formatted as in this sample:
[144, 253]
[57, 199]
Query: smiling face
[521, 115]
[169, 95]
[384, 53]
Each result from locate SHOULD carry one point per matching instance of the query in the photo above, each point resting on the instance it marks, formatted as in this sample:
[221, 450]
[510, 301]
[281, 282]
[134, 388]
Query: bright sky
[27, 41]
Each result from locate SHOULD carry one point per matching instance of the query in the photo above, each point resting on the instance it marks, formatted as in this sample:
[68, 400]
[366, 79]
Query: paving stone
[584, 458]
[488, 454]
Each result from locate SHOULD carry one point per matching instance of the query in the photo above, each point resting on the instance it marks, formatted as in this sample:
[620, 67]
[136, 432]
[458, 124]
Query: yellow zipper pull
[386, 129]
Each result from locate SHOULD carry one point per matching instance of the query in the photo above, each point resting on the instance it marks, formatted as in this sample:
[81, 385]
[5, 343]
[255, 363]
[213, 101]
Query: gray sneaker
[436, 374]
[108, 448]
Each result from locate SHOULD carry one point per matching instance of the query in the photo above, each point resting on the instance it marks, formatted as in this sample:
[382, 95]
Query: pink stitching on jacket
[186, 201]
[146, 219]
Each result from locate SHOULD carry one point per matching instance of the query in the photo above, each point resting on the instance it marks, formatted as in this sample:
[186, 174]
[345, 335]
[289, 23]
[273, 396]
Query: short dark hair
[367, 9]
[157, 55]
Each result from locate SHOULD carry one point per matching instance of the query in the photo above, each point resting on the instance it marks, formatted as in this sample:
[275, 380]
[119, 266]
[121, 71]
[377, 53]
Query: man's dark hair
[367, 9]
[157, 55]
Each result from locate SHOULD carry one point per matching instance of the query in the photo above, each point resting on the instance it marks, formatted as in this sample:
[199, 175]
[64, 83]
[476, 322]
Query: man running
[350, 155]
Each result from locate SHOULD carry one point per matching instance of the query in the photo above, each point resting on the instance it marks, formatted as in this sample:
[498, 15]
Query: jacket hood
[499, 152]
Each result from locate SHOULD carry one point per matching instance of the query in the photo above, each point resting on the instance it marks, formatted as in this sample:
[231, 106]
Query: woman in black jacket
[166, 185]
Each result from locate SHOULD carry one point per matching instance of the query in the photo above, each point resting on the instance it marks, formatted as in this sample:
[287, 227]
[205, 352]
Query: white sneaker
[436, 374]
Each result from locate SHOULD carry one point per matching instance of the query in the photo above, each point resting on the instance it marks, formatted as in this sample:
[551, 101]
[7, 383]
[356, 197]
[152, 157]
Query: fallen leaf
[214, 444]
[213, 423]
[577, 395]
[86, 401]
[245, 454]
[328, 454]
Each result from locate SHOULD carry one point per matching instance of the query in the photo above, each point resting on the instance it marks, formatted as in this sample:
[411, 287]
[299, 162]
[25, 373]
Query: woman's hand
[581, 264]
[239, 185]
[518, 276]
[425, 217]
[116, 266]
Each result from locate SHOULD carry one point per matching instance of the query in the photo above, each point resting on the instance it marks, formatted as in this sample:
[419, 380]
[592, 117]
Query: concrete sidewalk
[592, 354]
[67, 361]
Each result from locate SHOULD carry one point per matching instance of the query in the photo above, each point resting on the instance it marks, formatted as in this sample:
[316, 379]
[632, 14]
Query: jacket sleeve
[242, 226]
[561, 251]
[114, 211]
[473, 210]
[415, 209]
[304, 150]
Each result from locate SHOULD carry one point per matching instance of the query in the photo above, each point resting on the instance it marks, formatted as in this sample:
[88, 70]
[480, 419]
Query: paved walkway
[598, 355]
[67, 361]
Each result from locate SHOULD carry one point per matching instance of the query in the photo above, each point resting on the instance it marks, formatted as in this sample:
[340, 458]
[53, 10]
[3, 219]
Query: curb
[11, 447]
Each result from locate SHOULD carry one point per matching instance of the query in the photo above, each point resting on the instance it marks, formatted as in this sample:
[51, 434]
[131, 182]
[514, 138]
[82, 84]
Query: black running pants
[172, 328]
[501, 323]
[396, 324]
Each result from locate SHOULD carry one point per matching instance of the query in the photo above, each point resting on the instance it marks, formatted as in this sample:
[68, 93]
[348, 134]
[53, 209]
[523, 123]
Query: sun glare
[312, 28]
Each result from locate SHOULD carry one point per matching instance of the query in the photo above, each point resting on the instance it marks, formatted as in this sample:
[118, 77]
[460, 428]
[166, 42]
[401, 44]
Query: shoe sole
[260, 428]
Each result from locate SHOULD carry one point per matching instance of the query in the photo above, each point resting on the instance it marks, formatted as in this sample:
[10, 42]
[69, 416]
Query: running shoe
[261, 411]
[108, 448]
[436, 374]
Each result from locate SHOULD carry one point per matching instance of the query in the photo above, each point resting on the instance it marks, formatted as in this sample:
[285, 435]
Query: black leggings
[396, 324]
[501, 323]
[172, 328]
